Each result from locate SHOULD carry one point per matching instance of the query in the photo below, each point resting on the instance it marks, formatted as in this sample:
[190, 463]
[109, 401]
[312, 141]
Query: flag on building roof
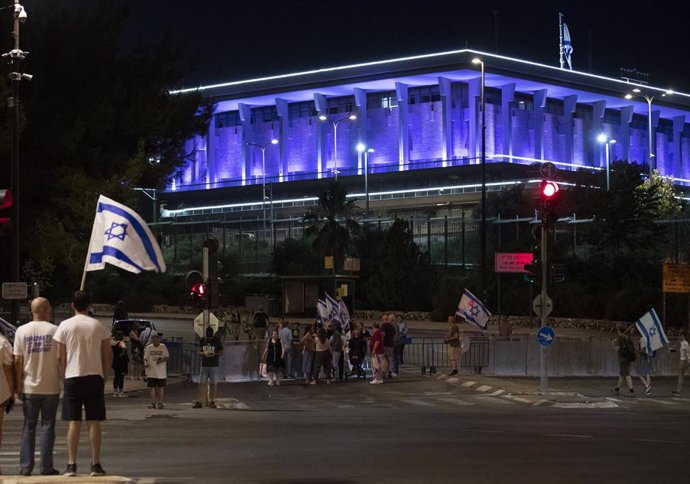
[652, 332]
[473, 310]
[121, 237]
[567, 46]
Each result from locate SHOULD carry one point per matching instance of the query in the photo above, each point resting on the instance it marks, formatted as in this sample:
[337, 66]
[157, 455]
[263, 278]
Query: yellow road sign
[676, 278]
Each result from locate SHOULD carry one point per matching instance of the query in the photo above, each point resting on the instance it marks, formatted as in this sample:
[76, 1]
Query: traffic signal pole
[543, 381]
[205, 274]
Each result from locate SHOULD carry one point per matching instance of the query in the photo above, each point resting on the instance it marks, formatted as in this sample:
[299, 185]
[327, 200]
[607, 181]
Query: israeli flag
[333, 308]
[652, 332]
[472, 310]
[9, 330]
[344, 315]
[121, 237]
[321, 310]
[567, 46]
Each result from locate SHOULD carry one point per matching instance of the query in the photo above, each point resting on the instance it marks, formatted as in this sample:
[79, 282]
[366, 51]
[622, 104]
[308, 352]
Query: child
[155, 358]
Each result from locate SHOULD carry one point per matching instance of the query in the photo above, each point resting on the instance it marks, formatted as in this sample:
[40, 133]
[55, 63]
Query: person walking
[84, 357]
[274, 357]
[336, 341]
[261, 321]
[379, 363]
[285, 335]
[308, 352]
[453, 339]
[120, 363]
[38, 386]
[626, 355]
[645, 366]
[137, 352]
[684, 362]
[401, 339]
[322, 357]
[210, 349]
[389, 333]
[156, 358]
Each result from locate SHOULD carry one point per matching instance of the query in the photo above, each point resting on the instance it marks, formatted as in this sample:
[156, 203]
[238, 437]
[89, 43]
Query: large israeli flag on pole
[121, 237]
[567, 46]
[472, 310]
[652, 332]
[333, 308]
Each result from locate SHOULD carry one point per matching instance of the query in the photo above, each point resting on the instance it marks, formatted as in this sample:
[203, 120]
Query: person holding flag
[453, 340]
[652, 338]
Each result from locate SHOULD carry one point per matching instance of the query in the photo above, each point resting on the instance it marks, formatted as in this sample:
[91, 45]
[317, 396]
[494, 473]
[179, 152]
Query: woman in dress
[120, 363]
[273, 355]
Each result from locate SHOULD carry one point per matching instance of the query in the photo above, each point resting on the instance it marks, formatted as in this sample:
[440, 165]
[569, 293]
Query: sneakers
[270, 383]
[675, 393]
[123, 395]
[197, 404]
[116, 394]
[152, 405]
[71, 470]
[160, 405]
[375, 382]
[278, 382]
[97, 470]
[25, 472]
[631, 393]
[313, 382]
[50, 472]
[615, 391]
[453, 373]
[212, 404]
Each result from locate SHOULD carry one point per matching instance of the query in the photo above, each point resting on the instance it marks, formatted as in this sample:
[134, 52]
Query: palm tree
[331, 222]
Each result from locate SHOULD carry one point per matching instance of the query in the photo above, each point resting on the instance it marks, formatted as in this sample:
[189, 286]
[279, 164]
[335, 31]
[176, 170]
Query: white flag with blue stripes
[121, 237]
[567, 46]
[652, 332]
[473, 310]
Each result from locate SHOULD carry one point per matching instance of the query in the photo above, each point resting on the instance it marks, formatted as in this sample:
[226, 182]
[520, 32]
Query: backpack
[627, 351]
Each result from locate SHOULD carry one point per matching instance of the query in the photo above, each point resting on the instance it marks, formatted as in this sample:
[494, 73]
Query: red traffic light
[549, 189]
[5, 203]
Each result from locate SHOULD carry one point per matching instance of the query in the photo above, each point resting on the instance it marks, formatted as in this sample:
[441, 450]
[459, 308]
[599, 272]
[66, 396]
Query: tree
[98, 121]
[404, 278]
[331, 223]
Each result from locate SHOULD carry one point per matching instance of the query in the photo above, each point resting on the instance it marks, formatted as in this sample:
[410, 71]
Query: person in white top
[38, 385]
[7, 384]
[156, 357]
[684, 364]
[84, 357]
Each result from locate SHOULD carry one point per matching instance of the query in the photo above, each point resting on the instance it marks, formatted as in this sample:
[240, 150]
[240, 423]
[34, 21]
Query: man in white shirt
[684, 364]
[156, 357]
[85, 357]
[38, 385]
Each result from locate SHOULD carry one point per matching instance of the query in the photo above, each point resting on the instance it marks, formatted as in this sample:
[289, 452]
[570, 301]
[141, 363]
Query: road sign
[676, 278]
[536, 305]
[546, 335]
[14, 290]
[548, 170]
[512, 261]
[200, 326]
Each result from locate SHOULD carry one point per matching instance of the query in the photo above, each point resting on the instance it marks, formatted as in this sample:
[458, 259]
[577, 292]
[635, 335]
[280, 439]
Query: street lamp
[15, 56]
[649, 99]
[603, 138]
[361, 148]
[483, 223]
[335, 124]
[263, 178]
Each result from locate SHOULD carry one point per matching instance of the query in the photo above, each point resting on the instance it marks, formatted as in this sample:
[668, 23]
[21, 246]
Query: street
[413, 429]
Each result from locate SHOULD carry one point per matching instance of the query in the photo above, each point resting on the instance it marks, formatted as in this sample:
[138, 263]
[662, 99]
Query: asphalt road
[412, 430]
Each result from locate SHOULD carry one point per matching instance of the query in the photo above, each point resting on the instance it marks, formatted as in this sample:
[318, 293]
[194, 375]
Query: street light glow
[323, 117]
[361, 147]
[274, 141]
[352, 117]
[476, 60]
[602, 138]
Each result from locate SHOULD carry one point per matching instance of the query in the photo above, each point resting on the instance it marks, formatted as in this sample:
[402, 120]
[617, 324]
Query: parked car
[125, 325]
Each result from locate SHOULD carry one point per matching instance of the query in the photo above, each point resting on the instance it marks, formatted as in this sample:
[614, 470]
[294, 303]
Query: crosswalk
[11, 439]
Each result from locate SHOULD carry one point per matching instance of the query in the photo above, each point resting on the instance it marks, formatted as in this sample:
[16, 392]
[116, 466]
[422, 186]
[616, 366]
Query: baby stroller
[356, 363]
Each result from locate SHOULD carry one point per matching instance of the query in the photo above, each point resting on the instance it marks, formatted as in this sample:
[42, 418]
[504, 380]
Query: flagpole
[86, 263]
[560, 39]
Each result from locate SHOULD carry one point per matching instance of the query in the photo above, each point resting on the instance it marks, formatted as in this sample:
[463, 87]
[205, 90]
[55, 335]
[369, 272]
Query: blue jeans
[46, 406]
[307, 364]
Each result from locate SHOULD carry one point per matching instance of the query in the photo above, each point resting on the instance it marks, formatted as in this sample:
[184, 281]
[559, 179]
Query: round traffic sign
[546, 335]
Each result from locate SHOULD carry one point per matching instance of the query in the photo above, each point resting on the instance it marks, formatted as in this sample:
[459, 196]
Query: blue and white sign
[546, 335]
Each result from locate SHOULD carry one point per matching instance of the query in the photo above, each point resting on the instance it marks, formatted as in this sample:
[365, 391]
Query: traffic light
[197, 288]
[5, 206]
[550, 195]
[533, 269]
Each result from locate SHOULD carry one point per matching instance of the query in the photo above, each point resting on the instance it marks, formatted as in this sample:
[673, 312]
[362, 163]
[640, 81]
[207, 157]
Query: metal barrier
[432, 353]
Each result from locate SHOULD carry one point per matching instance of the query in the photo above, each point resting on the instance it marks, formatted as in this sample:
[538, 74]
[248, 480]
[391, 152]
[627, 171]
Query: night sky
[237, 39]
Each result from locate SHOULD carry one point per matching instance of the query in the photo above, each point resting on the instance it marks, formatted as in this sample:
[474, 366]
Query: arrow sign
[546, 335]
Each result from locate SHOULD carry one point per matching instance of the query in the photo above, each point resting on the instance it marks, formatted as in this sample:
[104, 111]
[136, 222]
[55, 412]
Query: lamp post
[16, 56]
[483, 222]
[649, 99]
[335, 124]
[152, 194]
[263, 178]
[361, 148]
[602, 138]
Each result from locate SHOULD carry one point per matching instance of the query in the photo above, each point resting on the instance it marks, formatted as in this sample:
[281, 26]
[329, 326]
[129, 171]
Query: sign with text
[14, 290]
[676, 278]
[512, 261]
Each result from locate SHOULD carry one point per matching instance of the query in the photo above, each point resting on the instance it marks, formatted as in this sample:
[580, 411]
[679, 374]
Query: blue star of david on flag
[473, 310]
[112, 232]
[653, 335]
[121, 237]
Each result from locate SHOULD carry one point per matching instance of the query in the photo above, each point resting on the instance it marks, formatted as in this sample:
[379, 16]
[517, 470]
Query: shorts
[624, 367]
[155, 382]
[208, 373]
[85, 392]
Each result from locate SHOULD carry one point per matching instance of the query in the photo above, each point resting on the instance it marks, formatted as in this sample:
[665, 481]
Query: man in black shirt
[388, 329]
[210, 349]
[260, 324]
